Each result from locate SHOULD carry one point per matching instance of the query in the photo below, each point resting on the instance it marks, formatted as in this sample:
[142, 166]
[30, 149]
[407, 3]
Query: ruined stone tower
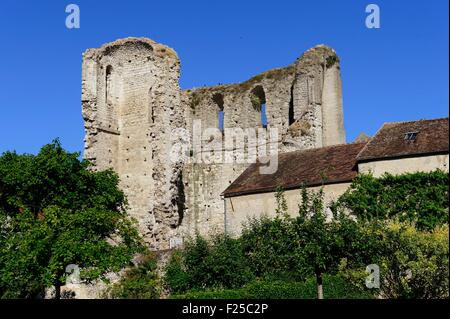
[132, 105]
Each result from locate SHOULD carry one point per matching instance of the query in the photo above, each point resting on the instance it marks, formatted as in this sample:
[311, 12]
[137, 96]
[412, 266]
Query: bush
[302, 257]
[270, 246]
[226, 265]
[219, 263]
[176, 277]
[283, 248]
[417, 197]
[414, 264]
[139, 282]
[335, 287]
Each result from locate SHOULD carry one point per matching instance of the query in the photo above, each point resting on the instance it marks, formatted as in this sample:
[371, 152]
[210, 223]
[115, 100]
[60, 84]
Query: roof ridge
[322, 148]
[421, 120]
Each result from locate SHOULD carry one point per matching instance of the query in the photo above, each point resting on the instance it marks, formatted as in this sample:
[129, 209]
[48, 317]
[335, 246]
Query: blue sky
[395, 73]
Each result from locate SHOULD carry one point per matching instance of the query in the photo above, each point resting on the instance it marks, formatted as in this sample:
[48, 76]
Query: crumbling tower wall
[303, 101]
[132, 104]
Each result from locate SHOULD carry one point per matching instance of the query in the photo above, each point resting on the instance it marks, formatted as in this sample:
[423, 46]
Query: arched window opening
[218, 99]
[108, 84]
[258, 99]
[291, 107]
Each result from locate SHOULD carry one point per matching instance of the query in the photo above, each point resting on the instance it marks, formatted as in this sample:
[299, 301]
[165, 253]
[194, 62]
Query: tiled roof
[431, 136]
[326, 165]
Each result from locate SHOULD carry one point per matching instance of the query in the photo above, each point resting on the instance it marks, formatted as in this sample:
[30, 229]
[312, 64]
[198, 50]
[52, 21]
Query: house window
[411, 136]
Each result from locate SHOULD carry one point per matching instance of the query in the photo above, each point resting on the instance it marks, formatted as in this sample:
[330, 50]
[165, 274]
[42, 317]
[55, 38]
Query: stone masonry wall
[132, 104]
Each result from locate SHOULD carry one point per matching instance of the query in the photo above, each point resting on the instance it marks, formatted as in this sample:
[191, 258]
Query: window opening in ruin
[218, 100]
[108, 85]
[258, 99]
[291, 107]
[263, 116]
[221, 120]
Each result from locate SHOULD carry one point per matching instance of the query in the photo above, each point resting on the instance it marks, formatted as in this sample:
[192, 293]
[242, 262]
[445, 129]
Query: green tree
[325, 241]
[56, 211]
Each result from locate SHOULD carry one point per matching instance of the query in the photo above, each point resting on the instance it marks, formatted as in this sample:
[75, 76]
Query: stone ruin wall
[131, 102]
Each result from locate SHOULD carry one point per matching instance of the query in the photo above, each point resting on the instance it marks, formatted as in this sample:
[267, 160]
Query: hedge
[335, 287]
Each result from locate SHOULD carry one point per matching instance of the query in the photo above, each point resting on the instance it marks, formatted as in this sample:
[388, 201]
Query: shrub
[335, 287]
[176, 277]
[139, 282]
[226, 264]
[287, 257]
[218, 263]
[414, 264]
[270, 245]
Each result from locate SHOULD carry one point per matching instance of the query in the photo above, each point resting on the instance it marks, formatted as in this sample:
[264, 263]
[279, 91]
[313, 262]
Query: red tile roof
[390, 142]
[326, 165]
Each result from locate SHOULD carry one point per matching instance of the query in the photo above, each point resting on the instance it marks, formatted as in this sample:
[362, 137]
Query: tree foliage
[55, 211]
[139, 282]
[276, 256]
[282, 248]
[418, 197]
[219, 263]
[414, 264]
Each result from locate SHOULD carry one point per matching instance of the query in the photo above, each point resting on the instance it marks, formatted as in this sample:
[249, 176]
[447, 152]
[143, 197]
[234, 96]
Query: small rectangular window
[221, 120]
[411, 136]
[263, 116]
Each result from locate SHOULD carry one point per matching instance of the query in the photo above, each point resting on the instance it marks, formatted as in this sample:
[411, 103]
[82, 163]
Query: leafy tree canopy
[55, 211]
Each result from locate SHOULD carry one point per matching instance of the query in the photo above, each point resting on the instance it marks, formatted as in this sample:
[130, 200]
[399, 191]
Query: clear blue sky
[395, 73]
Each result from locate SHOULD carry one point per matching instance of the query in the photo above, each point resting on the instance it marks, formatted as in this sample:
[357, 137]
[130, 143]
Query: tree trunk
[58, 290]
[319, 286]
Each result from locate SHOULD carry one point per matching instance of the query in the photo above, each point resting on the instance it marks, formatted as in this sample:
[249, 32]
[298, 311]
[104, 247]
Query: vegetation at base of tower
[417, 197]
[336, 287]
[289, 257]
[55, 211]
[217, 263]
[292, 250]
[138, 282]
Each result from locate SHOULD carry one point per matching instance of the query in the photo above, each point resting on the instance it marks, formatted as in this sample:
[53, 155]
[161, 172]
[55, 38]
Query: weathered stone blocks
[132, 103]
